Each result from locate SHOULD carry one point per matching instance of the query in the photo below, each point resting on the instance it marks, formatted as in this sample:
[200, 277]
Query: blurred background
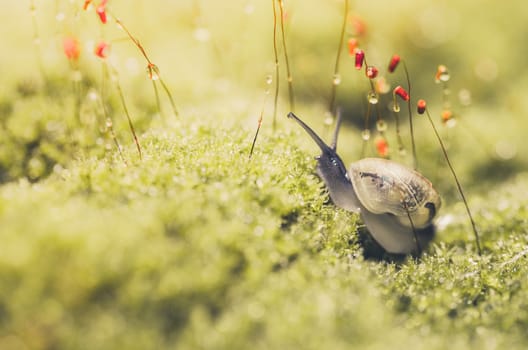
[216, 56]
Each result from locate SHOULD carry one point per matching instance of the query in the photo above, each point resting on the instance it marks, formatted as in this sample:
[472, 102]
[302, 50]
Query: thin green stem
[153, 70]
[36, 38]
[335, 79]
[473, 225]
[288, 70]
[276, 54]
[156, 94]
[366, 129]
[411, 127]
[396, 114]
[125, 108]
[107, 120]
[373, 91]
[415, 234]
[169, 95]
[261, 116]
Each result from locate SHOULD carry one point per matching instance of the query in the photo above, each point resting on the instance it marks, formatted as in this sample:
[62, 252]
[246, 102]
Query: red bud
[101, 11]
[442, 74]
[71, 48]
[101, 49]
[359, 25]
[421, 105]
[447, 115]
[352, 46]
[394, 63]
[371, 72]
[360, 57]
[382, 146]
[398, 90]
[86, 4]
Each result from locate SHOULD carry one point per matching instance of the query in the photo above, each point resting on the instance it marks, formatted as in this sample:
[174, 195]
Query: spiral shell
[383, 186]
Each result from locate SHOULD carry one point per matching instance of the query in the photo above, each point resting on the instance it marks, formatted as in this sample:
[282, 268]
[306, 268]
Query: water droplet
[373, 97]
[381, 125]
[249, 9]
[396, 107]
[290, 78]
[486, 69]
[445, 77]
[464, 97]
[329, 119]
[337, 79]
[109, 123]
[269, 79]
[153, 72]
[202, 34]
[446, 115]
[442, 74]
[382, 86]
[92, 96]
[505, 150]
[365, 135]
[451, 123]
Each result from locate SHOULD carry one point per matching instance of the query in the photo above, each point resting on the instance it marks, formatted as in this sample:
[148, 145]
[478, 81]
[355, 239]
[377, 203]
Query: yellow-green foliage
[196, 246]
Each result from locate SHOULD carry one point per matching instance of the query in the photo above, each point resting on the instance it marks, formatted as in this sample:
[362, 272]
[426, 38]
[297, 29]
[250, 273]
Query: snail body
[396, 203]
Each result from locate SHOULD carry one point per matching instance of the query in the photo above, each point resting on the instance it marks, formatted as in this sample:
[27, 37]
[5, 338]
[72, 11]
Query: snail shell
[383, 186]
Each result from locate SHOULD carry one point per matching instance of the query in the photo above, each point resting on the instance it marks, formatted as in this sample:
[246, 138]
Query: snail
[397, 204]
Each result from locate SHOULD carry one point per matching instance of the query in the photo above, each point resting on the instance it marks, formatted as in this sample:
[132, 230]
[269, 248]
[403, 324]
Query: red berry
[398, 90]
[352, 46]
[371, 72]
[86, 4]
[71, 48]
[442, 74]
[382, 146]
[101, 11]
[101, 49]
[394, 63]
[421, 105]
[447, 115]
[360, 57]
[359, 25]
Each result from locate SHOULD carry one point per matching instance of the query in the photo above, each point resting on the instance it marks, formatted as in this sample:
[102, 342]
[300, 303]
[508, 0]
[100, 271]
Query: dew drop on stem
[381, 125]
[373, 97]
[337, 79]
[365, 135]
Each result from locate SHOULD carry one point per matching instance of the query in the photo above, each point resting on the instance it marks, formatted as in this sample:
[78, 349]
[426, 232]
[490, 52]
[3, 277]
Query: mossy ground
[198, 246]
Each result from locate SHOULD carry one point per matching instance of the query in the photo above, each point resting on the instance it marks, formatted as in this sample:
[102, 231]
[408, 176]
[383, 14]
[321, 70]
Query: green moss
[196, 245]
